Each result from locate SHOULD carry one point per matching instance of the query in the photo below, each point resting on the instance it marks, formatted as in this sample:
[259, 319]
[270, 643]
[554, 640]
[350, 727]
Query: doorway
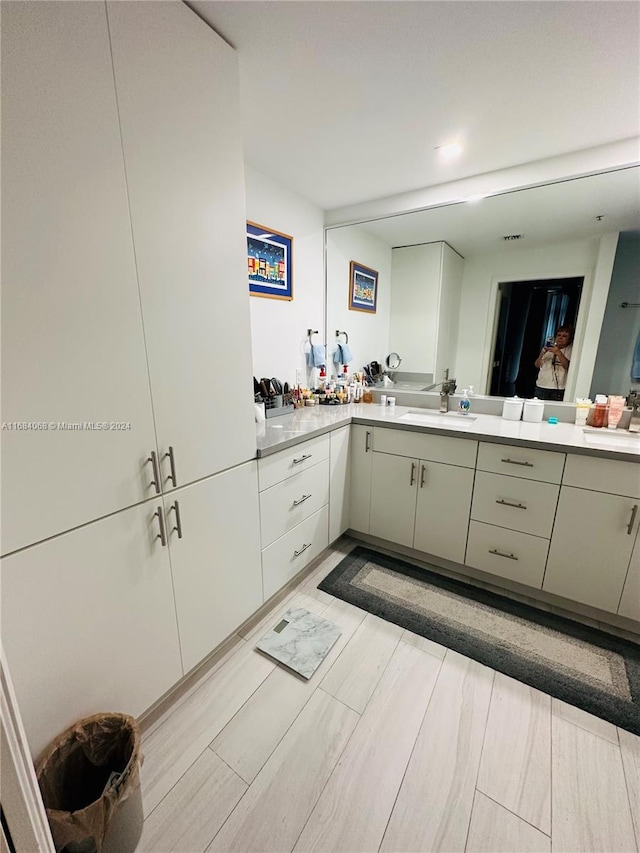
[529, 312]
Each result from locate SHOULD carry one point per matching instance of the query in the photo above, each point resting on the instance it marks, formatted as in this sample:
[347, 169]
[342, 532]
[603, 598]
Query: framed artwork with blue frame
[269, 262]
[363, 288]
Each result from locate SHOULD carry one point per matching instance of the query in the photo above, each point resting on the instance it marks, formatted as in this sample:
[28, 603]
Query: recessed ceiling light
[450, 150]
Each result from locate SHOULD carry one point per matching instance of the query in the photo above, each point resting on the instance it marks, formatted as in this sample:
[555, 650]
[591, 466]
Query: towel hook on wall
[346, 336]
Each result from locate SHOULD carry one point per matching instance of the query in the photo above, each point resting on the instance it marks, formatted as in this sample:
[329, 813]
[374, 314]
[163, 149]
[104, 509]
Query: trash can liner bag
[74, 771]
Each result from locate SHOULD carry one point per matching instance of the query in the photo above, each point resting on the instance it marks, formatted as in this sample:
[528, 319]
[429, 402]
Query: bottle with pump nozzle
[464, 405]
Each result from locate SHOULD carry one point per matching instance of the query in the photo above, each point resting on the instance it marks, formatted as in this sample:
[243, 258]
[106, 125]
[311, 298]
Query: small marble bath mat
[301, 641]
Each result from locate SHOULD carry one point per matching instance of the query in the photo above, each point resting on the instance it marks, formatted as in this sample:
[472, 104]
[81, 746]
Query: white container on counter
[512, 409]
[533, 411]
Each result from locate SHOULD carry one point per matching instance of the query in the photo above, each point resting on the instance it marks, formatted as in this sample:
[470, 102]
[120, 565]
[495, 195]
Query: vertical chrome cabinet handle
[422, 473]
[156, 471]
[162, 536]
[413, 473]
[367, 442]
[304, 548]
[634, 512]
[175, 506]
[172, 465]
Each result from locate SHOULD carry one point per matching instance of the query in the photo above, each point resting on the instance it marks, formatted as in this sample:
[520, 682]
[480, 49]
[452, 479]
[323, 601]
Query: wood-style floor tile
[494, 829]
[194, 810]
[590, 807]
[515, 769]
[630, 750]
[273, 811]
[353, 810]
[422, 643]
[434, 805]
[585, 721]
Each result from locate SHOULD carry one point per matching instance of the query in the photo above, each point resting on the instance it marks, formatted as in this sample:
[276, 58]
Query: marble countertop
[286, 431]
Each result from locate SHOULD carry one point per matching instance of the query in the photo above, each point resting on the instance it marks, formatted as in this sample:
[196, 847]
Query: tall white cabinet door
[216, 563]
[443, 510]
[339, 482]
[361, 451]
[586, 568]
[393, 497]
[630, 599]
[72, 340]
[89, 624]
[177, 85]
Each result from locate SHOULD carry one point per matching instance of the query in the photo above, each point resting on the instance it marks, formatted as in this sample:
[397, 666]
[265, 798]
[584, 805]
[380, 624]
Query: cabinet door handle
[301, 500]
[156, 471]
[304, 548]
[175, 506]
[516, 462]
[302, 458]
[162, 536]
[172, 465]
[367, 442]
[501, 554]
[508, 503]
[634, 512]
[413, 473]
[422, 473]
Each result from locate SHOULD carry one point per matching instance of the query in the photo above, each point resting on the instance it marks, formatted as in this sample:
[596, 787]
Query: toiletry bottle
[464, 405]
[600, 413]
[616, 407]
[583, 404]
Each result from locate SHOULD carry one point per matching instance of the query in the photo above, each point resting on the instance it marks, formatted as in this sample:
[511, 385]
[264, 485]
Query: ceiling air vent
[512, 237]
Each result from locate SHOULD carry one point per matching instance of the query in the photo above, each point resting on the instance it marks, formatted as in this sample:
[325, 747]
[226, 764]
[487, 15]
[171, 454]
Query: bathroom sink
[437, 418]
[614, 438]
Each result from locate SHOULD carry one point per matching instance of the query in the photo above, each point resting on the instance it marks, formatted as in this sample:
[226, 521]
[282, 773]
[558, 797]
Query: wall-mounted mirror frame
[569, 227]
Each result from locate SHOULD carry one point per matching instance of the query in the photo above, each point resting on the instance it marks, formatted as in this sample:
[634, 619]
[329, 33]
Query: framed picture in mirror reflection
[363, 288]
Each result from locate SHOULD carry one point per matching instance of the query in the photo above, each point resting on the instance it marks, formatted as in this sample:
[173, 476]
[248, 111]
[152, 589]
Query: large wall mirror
[443, 273]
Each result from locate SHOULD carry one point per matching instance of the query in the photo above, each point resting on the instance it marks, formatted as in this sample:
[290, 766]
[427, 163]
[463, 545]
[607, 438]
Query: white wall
[368, 333]
[482, 274]
[279, 328]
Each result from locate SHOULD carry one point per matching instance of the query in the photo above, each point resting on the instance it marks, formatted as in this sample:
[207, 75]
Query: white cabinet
[214, 542]
[89, 622]
[361, 456]
[72, 345]
[442, 511]
[178, 98]
[591, 547]
[630, 599]
[393, 498]
[339, 482]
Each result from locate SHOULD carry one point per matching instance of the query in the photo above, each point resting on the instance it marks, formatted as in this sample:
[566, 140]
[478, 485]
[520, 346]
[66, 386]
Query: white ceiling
[345, 100]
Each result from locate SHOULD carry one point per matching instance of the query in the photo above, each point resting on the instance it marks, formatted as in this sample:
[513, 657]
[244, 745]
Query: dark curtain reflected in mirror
[529, 313]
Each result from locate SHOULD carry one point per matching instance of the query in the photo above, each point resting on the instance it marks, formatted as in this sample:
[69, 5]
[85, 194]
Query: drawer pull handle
[367, 442]
[634, 512]
[162, 536]
[302, 458]
[413, 473]
[304, 548]
[501, 554]
[422, 473]
[516, 462]
[302, 500]
[508, 503]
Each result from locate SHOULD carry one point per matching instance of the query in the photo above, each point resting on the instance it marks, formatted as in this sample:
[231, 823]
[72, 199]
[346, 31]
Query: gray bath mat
[300, 641]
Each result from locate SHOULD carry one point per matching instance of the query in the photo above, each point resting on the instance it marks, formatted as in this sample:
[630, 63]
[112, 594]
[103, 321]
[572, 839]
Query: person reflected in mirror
[553, 365]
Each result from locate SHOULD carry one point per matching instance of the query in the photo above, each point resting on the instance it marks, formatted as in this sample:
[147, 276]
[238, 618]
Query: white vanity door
[361, 455]
[72, 339]
[339, 483]
[394, 482]
[442, 513]
[630, 601]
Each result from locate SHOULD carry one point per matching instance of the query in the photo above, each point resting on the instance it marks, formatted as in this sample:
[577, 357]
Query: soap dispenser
[464, 405]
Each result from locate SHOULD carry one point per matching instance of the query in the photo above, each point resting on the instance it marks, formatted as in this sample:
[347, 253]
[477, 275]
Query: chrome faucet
[448, 387]
[634, 423]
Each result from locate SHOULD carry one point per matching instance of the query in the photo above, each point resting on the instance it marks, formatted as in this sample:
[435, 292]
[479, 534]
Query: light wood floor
[395, 744]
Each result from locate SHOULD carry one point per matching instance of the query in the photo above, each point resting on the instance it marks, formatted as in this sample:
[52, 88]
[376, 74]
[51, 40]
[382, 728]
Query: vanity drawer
[286, 463]
[517, 556]
[288, 503]
[524, 505]
[544, 465]
[603, 475]
[432, 448]
[292, 552]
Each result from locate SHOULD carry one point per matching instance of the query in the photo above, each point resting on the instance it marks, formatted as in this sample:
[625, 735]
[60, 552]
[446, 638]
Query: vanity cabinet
[630, 600]
[339, 482]
[361, 452]
[419, 502]
[594, 532]
[89, 622]
[294, 510]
